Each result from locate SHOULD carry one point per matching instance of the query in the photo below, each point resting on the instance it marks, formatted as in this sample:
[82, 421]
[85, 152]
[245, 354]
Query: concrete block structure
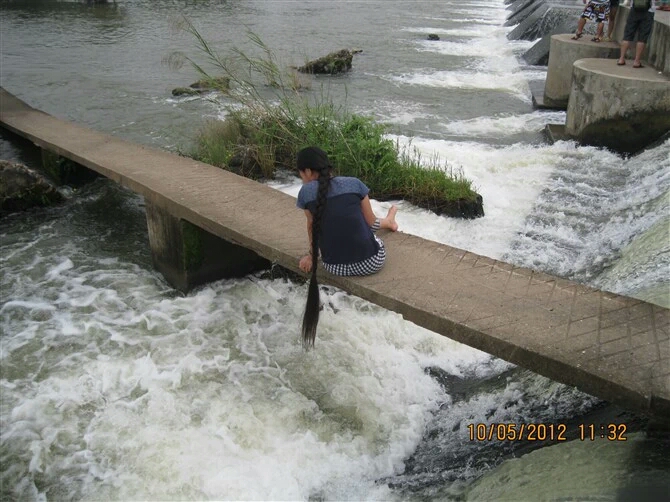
[658, 49]
[621, 108]
[618, 107]
[563, 53]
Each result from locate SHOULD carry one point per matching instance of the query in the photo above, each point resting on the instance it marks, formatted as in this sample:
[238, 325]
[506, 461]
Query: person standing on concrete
[596, 10]
[640, 21]
[340, 225]
[611, 19]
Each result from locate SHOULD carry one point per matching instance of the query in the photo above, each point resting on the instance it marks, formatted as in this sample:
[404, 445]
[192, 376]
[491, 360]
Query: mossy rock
[455, 208]
[247, 162]
[22, 188]
[185, 91]
[202, 86]
[462, 208]
[433, 36]
[212, 84]
[335, 62]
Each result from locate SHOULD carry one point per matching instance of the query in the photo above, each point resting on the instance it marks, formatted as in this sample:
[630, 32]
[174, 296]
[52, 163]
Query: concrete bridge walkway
[610, 346]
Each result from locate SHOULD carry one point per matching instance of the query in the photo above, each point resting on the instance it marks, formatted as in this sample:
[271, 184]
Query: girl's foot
[389, 222]
[577, 36]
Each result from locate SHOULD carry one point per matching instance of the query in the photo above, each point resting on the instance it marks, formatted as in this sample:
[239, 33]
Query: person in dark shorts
[341, 228]
[640, 21]
[611, 20]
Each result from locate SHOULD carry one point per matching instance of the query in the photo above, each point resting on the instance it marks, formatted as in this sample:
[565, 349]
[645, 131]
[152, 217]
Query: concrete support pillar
[620, 23]
[621, 108]
[188, 256]
[65, 171]
[658, 47]
[563, 52]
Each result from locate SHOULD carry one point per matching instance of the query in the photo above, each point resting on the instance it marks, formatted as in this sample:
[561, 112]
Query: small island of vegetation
[269, 120]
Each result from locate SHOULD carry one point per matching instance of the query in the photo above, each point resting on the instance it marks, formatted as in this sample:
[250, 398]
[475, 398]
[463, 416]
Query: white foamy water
[483, 127]
[142, 384]
[397, 112]
[514, 83]
[475, 20]
[509, 180]
[487, 12]
[487, 69]
[606, 203]
[477, 31]
[461, 49]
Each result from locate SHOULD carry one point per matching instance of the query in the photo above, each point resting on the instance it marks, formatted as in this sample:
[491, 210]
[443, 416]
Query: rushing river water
[116, 387]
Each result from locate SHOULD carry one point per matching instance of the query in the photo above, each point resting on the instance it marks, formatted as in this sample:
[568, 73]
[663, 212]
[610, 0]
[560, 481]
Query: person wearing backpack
[640, 21]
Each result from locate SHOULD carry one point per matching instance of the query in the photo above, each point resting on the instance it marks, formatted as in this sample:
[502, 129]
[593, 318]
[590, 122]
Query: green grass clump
[272, 122]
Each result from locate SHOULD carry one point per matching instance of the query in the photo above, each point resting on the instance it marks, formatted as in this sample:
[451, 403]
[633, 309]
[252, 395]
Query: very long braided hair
[315, 159]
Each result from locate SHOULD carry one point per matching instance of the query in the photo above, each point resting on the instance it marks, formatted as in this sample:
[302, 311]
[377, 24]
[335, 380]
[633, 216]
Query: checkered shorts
[596, 11]
[369, 266]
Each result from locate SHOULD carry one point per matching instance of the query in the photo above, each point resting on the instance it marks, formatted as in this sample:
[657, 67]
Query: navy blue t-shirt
[345, 236]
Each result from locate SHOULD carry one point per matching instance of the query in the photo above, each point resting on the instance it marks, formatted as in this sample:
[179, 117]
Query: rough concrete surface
[619, 107]
[658, 48]
[607, 345]
[563, 52]
[520, 10]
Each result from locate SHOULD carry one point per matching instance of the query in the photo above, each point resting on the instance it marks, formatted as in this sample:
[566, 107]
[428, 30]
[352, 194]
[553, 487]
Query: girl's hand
[306, 263]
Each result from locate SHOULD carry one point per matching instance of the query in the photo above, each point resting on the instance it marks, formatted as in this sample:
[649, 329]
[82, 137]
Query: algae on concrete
[193, 252]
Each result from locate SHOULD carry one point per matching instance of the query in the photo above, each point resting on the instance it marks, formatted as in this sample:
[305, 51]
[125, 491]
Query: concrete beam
[619, 107]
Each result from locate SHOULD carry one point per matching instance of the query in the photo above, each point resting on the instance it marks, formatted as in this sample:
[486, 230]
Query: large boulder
[335, 62]
[22, 188]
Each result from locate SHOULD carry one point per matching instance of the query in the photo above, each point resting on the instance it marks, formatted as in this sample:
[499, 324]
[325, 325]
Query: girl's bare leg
[389, 222]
